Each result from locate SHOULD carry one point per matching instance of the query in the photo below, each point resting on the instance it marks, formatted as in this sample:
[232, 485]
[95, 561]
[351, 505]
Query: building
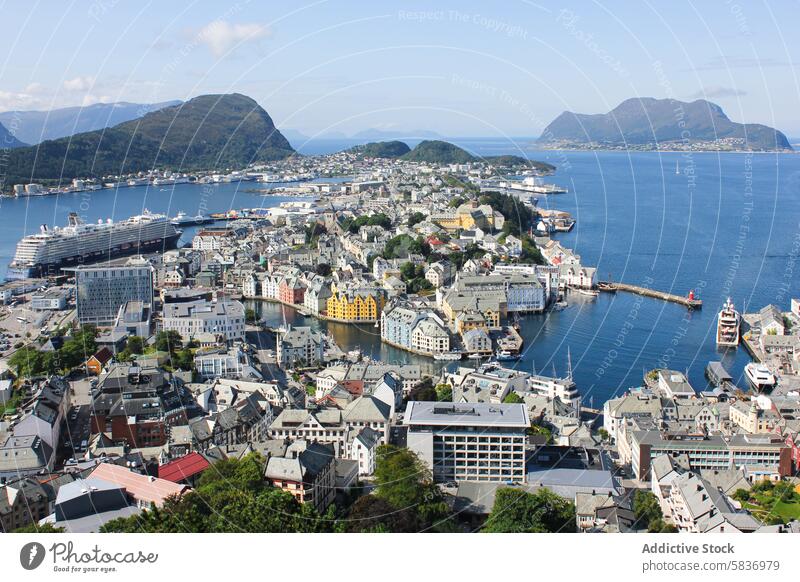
[477, 341]
[100, 291]
[300, 345]
[695, 506]
[220, 363]
[25, 455]
[764, 456]
[469, 442]
[430, 336]
[49, 300]
[133, 318]
[224, 317]
[307, 471]
[360, 303]
[145, 490]
[98, 361]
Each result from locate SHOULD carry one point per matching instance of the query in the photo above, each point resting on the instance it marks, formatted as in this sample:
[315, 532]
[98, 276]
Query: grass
[765, 503]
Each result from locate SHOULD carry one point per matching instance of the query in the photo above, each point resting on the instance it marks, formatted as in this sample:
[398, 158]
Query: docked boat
[506, 356]
[47, 251]
[447, 356]
[589, 292]
[182, 219]
[759, 376]
[477, 356]
[728, 324]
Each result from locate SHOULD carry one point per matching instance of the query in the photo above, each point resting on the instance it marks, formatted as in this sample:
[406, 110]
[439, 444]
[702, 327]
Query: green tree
[373, 514]
[135, 344]
[444, 393]
[405, 483]
[39, 529]
[250, 315]
[646, 508]
[415, 218]
[168, 341]
[513, 398]
[517, 511]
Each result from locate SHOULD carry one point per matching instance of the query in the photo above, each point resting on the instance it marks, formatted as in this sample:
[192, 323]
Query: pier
[687, 302]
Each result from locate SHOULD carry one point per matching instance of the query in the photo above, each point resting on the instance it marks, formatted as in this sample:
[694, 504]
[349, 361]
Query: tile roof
[183, 468]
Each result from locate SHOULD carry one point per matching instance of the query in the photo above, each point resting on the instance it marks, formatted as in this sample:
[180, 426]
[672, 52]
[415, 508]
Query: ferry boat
[728, 322]
[447, 356]
[77, 243]
[759, 376]
[181, 219]
[506, 356]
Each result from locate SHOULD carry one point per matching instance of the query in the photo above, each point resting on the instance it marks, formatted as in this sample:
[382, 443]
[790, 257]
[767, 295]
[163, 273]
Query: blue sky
[457, 68]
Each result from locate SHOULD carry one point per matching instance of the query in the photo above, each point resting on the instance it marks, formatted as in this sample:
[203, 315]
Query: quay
[688, 302]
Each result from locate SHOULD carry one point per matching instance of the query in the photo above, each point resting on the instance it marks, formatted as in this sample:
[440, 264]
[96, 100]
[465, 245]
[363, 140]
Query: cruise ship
[728, 322]
[46, 252]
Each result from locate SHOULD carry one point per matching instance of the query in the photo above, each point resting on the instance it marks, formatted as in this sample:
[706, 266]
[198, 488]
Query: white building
[223, 317]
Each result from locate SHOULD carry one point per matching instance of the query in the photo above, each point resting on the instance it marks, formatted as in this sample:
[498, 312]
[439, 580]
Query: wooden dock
[646, 292]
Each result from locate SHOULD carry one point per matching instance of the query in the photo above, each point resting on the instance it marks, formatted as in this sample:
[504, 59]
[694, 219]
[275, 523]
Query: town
[146, 393]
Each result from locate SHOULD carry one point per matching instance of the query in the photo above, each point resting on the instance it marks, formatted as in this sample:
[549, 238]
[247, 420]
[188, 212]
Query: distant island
[33, 127]
[9, 140]
[661, 124]
[208, 132]
[442, 152]
[382, 149]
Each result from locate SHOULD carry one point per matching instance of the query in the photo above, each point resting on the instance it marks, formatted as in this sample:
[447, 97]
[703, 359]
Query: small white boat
[559, 305]
[476, 356]
[447, 356]
[589, 292]
[759, 376]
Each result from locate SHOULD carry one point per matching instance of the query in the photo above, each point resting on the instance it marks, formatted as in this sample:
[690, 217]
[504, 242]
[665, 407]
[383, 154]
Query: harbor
[689, 301]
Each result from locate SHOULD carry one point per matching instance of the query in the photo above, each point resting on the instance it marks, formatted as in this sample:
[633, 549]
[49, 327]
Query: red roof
[103, 355]
[183, 468]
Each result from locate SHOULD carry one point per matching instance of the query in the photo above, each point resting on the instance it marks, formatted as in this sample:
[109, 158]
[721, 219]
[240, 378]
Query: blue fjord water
[724, 225]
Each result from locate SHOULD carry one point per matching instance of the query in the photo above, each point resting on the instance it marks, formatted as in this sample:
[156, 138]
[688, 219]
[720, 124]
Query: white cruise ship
[728, 322]
[46, 252]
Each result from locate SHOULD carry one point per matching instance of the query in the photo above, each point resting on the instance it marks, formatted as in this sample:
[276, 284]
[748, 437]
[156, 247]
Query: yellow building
[466, 217]
[356, 305]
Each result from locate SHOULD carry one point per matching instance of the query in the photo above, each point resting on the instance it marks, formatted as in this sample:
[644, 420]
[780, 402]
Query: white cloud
[10, 101]
[718, 92]
[79, 84]
[221, 36]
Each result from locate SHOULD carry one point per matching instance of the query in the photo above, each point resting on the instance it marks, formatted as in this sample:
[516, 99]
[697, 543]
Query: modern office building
[469, 442]
[101, 290]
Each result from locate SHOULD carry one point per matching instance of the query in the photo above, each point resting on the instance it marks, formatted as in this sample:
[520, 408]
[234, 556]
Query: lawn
[771, 503]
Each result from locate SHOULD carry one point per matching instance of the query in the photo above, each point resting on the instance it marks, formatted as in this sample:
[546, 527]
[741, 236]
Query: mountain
[36, 126]
[438, 152]
[9, 140]
[382, 149]
[207, 132]
[648, 121]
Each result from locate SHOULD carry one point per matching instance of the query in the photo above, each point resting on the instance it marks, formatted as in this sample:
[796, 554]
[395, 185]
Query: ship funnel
[43, 228]
[73, 219]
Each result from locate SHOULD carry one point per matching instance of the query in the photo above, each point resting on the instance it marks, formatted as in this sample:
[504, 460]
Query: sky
[457, 68]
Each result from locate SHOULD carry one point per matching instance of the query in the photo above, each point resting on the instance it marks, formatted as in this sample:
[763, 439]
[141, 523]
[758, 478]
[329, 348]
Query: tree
[415, 218]
[405, 483]
[373, 514]
[444, 393]
[517, 511]
[250, 315]
[513, 398]
[231, 496]
[423, 392]
[603, 434]
[323, 269]
[39, 528]
[169, 341]
[741, 495]
[135, 344]
[646, 508]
